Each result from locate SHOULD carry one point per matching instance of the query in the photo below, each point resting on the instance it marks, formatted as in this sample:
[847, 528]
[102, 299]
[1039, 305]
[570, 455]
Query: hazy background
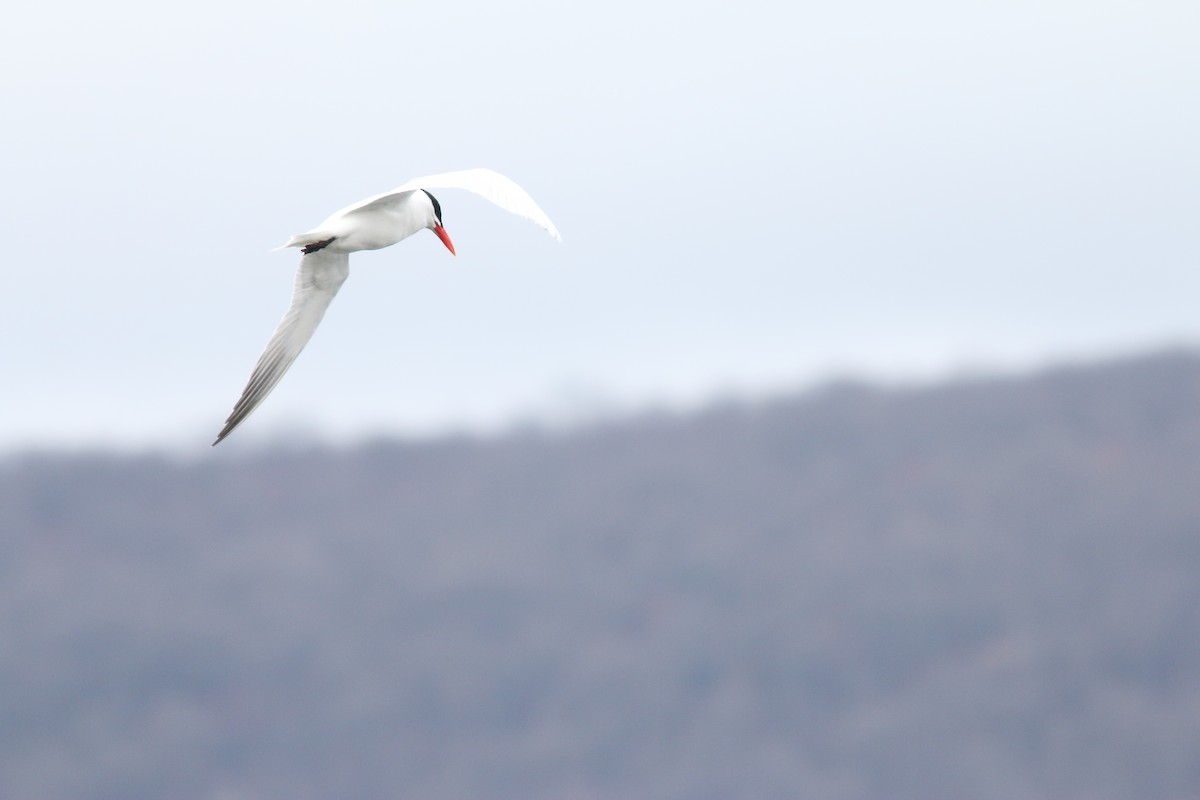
[692, 560]
[751, 195]
[980, 590]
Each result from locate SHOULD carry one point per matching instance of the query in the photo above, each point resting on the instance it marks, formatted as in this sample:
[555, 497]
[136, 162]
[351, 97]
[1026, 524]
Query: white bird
[370, 224]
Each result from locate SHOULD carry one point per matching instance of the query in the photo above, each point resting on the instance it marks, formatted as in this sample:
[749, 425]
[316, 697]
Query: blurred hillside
[986, 589]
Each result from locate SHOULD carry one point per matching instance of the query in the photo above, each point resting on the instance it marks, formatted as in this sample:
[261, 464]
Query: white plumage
[370, 224]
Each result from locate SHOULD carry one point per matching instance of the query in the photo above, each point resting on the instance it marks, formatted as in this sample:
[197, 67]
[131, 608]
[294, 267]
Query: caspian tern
[370, 224]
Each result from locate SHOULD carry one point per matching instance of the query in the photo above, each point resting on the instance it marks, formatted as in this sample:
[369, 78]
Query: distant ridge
[985, 588]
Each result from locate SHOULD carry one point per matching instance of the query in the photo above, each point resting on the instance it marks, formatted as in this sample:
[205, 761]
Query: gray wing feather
[318, 279]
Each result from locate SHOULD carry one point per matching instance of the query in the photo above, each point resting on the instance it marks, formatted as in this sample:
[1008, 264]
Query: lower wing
[318, 279]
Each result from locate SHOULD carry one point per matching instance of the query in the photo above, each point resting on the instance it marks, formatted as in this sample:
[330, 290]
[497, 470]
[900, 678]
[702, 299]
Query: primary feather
[318, 279]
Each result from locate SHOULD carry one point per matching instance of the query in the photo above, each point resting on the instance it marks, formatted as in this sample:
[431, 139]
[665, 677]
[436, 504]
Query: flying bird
[370, 224]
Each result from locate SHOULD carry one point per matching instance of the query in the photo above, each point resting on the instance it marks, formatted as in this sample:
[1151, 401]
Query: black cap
[437, 207]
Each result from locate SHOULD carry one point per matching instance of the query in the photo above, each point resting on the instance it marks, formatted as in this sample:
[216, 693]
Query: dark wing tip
[228, 429]
[240, 412]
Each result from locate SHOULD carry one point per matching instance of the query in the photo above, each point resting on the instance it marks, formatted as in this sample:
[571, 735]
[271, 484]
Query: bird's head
[435, 222]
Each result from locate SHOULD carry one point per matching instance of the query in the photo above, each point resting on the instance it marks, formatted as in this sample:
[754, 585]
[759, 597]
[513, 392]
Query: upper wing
[318, 279]
[483, 182]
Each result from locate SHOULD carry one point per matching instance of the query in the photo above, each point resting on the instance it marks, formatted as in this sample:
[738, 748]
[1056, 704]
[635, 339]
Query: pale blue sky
[752, 197]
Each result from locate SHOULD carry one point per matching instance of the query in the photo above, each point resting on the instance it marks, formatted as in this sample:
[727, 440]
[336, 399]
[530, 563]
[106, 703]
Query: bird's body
[370, 224]
[373, 226]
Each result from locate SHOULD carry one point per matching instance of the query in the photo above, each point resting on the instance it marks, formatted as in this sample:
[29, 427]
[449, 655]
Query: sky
[753, 197]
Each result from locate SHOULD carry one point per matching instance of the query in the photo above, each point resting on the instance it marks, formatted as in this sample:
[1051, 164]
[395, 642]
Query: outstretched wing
[484, 182]
[318, 279]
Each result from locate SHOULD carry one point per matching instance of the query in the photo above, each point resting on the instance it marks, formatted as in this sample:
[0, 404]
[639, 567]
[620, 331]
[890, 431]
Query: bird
[371, 224]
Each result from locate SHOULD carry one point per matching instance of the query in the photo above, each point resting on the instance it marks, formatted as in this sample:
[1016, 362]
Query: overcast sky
[753, 196]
